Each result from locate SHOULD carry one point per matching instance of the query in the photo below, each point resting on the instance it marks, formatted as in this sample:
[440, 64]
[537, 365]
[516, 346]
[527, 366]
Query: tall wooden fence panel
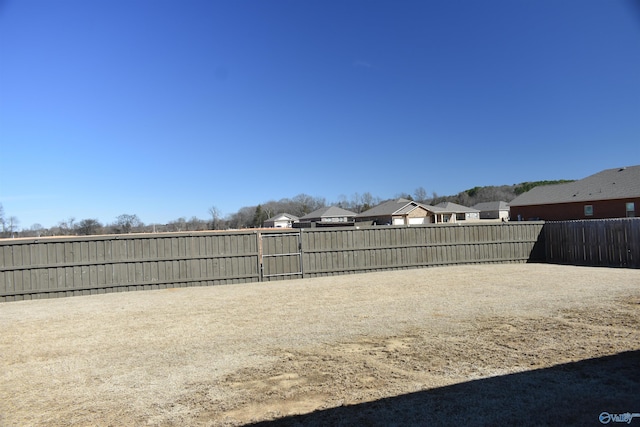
[606, 242]
[44, 268]
[341, 251]
[53, 267]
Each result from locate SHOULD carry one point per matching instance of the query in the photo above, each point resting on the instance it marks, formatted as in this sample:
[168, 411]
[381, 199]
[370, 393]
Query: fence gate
[280, 255]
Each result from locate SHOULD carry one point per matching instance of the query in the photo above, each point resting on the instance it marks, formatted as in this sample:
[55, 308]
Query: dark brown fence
[54, 267]
[605, 242]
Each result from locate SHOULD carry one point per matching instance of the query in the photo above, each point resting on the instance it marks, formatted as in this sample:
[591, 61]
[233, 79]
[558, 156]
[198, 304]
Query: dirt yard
[530, 344]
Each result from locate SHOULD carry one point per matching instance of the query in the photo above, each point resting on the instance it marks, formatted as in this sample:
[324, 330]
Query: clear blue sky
[163, 108]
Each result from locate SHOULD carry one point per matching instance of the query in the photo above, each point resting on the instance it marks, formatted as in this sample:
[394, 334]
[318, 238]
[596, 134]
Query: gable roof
[455, 208]
[396, 207]
[491, 206]
[330, 211]
[618, 183]
[282, 216]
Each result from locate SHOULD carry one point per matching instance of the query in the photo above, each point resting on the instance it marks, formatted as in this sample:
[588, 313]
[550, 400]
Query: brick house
[612, 193]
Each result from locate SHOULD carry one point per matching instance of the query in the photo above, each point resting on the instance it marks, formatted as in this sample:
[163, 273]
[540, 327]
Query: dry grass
[233, 354]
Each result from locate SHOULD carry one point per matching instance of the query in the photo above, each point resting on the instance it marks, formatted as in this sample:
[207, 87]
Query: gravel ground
[486, 344]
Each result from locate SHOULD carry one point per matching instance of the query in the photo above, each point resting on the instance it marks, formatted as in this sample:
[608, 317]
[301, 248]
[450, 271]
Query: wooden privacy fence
[67, 266]
[341, 251]
[54, 267]
[605, 242]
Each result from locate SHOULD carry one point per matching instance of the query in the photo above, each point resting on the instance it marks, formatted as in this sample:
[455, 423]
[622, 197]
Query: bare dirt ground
[531, 344]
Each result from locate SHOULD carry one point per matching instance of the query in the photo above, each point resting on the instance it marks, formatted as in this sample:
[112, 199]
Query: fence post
[259, 246]
[300, 249]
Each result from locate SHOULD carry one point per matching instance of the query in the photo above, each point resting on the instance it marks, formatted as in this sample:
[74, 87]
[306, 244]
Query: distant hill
[504, 193]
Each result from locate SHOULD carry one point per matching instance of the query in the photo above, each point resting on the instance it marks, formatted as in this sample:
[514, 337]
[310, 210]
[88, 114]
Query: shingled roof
[396, 207]
[618, 183]
[455, 208]
[282, 216]
[330, 211]
[491, 206]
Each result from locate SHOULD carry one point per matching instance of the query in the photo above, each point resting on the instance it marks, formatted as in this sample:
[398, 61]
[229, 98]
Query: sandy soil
[490, 344]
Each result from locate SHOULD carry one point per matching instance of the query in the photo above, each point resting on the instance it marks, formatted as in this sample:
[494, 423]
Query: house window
[631, 209]
[588, 210]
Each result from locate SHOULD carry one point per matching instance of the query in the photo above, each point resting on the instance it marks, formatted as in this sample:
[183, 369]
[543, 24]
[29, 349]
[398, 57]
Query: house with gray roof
[282, 220]
[612, 193]
[493, 210]
[401, 212]
[330, 216]
[453, 212]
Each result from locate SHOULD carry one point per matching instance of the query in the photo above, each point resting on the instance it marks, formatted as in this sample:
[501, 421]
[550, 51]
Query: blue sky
[164, 108]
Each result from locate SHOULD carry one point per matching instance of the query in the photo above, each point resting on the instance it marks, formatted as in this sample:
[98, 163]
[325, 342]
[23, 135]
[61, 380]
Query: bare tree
[356, 202]
[215, 217]
[66, 228]
[36, 230]
[420, 195]
[3, 223]
[368, 201]
[88, 227]
[12, 225]
[435, 199]
[125, 223]
[304, 204]
[196, 224]
[343, 202]
[243, 218]
[179, 224]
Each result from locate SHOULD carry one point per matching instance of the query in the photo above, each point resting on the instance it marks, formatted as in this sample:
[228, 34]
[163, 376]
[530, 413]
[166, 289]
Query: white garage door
[398, 221]
[417, 220]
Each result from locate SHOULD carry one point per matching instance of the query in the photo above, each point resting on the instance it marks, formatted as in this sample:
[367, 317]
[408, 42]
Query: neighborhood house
[612, 193]
[327, 217]
[493, 210]
[283, 220]
[409, 212]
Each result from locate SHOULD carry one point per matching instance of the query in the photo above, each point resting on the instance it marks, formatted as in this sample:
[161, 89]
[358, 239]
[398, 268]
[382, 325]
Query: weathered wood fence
[329, 252]
[607, 242]
[55, 267]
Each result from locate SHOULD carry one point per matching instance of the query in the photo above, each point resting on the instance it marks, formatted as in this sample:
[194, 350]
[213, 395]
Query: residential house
[399, 212]
[331, 216]
[493, 210]
[283, 220]
[612, 193]
[452, 212]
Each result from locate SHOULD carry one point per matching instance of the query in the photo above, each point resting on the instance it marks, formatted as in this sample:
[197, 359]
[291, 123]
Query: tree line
[255, 216]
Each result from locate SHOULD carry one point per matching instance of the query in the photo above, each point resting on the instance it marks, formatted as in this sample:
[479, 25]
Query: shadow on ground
[569, 394]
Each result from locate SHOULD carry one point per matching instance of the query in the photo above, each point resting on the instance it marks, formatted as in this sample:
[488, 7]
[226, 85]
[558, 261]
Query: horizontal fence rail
[603, 242]
[68, 266]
